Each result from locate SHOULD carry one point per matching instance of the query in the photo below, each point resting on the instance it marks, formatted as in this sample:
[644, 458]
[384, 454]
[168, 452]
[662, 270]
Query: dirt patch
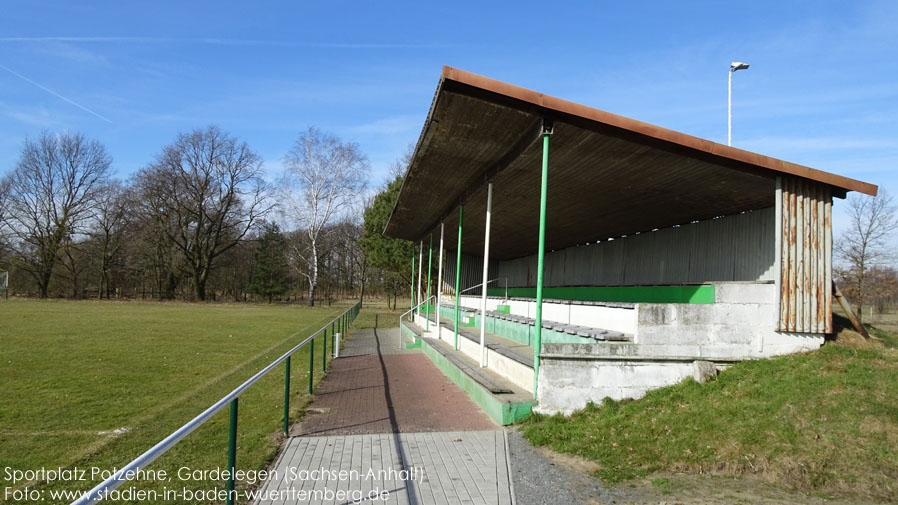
[851, 339]
[569, 462]
[689, 489]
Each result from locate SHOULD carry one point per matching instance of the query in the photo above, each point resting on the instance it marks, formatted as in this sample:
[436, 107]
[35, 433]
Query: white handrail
[412, 310]
[487, 283]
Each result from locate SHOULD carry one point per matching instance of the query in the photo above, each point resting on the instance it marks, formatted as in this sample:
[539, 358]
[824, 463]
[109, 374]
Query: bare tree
[152, 248]
[51, 192]
[208, 192]
[323, 176]
[110, 220]
[865, 244]
[73, 256]
[4, 199]
[399, 166]
[5, 184]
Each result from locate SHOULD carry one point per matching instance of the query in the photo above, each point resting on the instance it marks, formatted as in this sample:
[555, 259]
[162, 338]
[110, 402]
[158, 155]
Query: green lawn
[823, 422]
[74, 371]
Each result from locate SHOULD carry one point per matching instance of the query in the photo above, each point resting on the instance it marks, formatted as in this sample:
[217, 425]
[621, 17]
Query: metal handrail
[408, 312]
[487, 283]
[128, 471]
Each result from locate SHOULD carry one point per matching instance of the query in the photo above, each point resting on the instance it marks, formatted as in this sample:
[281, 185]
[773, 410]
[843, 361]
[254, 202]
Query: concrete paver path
[387, 426]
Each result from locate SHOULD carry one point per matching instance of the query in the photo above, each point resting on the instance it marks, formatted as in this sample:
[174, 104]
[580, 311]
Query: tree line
[201, 221]
[198, 222]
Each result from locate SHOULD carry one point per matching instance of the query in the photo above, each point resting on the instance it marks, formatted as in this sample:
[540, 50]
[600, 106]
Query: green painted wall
[631, 294]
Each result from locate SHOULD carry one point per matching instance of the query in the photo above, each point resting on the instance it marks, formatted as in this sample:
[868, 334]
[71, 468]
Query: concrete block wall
[671, 340]
[566, 385]
[740, 324]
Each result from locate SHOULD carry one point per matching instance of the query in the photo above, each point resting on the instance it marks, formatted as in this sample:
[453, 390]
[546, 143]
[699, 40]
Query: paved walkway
[462, 467]
[392, 423]
[375, 387]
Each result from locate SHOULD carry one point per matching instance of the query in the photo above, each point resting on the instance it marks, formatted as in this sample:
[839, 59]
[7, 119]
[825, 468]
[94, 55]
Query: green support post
[287, 395]
[232, 451]
[324, 353]
[429, 266]
[311, 364]
[461, 209]
[541, 256]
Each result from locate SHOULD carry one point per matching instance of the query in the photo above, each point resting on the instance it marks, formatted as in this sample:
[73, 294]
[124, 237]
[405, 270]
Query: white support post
[337, 345]
[486, 268]
[420, 271]
[440, 285]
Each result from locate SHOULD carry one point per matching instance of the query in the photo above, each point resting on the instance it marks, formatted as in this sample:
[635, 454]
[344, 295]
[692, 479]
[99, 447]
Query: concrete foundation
[568, 383]
[671, 342]
[740, 324]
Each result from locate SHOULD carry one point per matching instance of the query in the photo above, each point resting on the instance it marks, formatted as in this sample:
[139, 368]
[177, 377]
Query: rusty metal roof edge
[551, 103]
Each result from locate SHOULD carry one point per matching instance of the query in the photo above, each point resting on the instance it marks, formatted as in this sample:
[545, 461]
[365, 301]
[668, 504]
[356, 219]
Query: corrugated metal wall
[471, 273]
[732, 248]
[806, 257]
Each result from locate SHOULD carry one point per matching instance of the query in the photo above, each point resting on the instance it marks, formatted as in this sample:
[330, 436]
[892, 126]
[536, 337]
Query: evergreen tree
[389, 254]
[269, 276]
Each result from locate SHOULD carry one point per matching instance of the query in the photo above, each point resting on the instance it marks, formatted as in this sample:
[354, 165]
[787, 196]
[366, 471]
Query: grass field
[94, 384]
[823, 422]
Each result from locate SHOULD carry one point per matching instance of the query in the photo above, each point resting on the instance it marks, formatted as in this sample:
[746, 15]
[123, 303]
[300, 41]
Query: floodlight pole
[734, 66]
[730, 108]
[412, 283]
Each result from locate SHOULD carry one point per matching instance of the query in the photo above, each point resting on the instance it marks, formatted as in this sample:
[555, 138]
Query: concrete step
[516, 351]
[597, 334]
[504, 401]
[411, 329]
[508, 358]
[471, 369]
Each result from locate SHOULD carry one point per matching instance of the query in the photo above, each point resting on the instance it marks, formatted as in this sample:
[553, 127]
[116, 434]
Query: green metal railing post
[287, 395]
[324, 353]
[311, 364]
[541, 254]
[232, 451]
[429, 266]
[461, 209]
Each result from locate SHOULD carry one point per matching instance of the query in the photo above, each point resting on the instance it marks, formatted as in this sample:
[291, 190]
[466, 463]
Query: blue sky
[822, 89]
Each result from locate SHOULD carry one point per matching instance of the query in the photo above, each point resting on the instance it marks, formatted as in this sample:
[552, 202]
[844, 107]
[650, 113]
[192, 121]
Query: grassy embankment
[822, 422]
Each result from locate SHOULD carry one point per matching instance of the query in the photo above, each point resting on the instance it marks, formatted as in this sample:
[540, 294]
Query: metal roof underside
[608, 175]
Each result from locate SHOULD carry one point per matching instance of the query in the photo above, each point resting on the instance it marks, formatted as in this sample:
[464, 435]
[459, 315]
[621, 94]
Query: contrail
[82, 39]
[231, 42]
[57, 95]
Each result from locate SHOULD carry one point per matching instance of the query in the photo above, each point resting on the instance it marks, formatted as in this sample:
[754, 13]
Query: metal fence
[122, 475]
